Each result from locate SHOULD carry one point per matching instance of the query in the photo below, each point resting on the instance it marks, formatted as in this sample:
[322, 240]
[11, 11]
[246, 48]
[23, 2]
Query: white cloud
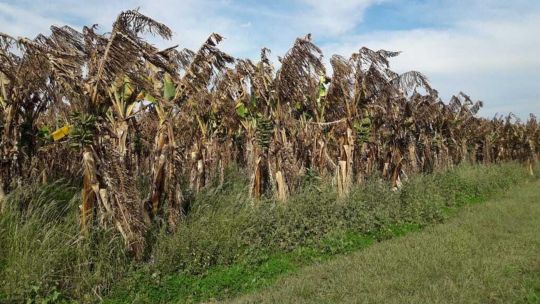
[330, 18]
[481, 45]
[18, 21]
[192, 21]
[486, 48]
[493, 60]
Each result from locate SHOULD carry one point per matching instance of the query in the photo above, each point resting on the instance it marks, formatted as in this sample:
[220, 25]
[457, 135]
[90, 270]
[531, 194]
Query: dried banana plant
[124, 107]
[111, 75]
[26, 90]
[165, 167]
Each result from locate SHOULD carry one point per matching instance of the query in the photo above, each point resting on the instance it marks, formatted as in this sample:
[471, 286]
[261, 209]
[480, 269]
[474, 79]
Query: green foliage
[169, 88]
[38, 297]
[362, 128]
[82, 132]
[264, 132]
[44, 133]
[224, 281]
[487, 254]
[225, 229]
[228, 244]
[321, 96]
[242, 110]
[51, 202]
[43, 259]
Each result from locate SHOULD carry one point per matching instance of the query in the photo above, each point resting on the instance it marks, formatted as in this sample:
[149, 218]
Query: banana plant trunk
[2, 196]
[164, 179]
[109, 191]
[9, 150]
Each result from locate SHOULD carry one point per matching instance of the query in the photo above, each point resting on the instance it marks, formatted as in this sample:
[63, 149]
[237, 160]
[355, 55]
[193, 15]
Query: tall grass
[42, 256]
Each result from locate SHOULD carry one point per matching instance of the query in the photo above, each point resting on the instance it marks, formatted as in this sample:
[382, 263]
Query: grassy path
[489, 253]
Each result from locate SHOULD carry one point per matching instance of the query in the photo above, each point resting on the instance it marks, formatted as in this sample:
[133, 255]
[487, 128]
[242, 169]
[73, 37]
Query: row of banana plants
[112, 109]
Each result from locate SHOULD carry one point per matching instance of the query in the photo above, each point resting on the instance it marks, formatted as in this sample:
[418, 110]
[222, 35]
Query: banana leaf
[61, 133]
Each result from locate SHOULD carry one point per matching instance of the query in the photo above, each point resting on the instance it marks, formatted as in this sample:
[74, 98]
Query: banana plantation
[112, 111]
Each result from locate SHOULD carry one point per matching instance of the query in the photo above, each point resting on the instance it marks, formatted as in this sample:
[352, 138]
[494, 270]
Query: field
[240, 249]
[130, 173]
[487, 254]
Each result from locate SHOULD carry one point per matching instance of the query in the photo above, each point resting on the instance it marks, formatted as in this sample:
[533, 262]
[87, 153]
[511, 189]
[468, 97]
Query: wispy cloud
[332, 18]
[493, 60]
[18, 21]
[248, 25]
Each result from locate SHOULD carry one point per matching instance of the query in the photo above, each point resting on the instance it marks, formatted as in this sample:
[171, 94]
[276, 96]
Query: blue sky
[489, 49]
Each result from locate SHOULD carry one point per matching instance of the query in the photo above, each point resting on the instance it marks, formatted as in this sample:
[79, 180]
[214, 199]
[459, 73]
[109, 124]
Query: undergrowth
[227, 245]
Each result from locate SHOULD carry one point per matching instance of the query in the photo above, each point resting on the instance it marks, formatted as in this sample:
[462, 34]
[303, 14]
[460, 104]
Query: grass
[228, 245]
[42, 257]
[487, 254]
[224, 281]
[371, 213]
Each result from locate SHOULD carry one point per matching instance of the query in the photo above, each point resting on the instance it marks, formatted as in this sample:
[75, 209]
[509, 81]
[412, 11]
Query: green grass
[225, 281]
[228, 244]
[43, 259]
[487, 254]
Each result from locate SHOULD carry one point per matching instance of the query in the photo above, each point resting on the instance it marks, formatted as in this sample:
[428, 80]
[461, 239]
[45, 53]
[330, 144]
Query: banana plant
[165, 182]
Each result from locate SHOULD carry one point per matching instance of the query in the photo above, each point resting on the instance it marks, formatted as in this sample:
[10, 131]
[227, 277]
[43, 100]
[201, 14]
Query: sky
[489, 49]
